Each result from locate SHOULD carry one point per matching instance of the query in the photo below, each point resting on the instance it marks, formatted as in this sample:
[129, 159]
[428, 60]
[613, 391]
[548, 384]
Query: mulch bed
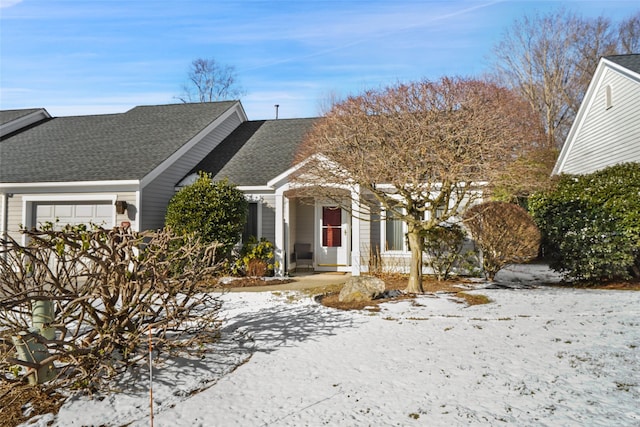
[19, 402]
[248, 282]
[399, 282]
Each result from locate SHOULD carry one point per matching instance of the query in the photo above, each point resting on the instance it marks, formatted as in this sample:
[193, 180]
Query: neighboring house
[105, 169]
[606, 130]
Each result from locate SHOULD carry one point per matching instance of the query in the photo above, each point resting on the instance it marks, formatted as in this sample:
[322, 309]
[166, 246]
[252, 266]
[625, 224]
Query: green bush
[505, 232]
[443, 246]
[256, 258]
[214, 211]
[591, 224]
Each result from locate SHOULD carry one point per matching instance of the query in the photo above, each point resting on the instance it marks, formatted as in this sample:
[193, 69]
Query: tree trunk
[415, 273]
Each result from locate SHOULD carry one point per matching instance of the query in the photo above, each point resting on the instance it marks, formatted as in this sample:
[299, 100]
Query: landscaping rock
[361, 288]
[391, 293]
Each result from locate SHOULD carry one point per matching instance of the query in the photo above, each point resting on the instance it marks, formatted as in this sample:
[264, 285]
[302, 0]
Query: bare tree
[528, 174]
[629, 35]
[419, 150]
[550, 59]
[210, 81]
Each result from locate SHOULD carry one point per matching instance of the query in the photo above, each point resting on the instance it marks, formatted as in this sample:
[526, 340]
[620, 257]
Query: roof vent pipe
[277, 106]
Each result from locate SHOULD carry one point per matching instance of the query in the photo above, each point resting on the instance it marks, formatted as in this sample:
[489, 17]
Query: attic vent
[607, 97]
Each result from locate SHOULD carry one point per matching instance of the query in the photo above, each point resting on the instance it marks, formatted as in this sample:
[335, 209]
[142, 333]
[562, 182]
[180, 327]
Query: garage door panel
[63, 211]
[44, 211]
[84, 211]
[105, 210]
[70, 213]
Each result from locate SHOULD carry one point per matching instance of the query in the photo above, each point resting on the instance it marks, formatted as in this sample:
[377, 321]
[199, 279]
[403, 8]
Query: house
[258, 157]
[122, 169]
[606, 130]
[105, 169]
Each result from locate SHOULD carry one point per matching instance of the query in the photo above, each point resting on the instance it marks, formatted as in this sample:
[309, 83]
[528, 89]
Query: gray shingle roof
[256, 151]
[7, 116]
[123, 146]
[631, 62]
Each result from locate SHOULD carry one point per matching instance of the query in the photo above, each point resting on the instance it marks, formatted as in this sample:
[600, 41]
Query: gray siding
[156, 195]
[269, 218]
[14, 216]
[365, 245]
[370, 240]
[608, 136]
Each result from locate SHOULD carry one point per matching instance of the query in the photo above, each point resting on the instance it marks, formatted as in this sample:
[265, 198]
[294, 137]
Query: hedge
[591, 224]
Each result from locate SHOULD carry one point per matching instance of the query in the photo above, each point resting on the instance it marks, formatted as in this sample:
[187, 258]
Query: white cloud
[9, 3]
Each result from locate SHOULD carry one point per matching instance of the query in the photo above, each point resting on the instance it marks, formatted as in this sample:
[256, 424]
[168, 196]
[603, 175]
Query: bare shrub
[505, 232]
[109, 288]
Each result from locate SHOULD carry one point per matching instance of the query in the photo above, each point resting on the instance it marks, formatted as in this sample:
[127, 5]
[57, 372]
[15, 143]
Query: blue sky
[77, 57]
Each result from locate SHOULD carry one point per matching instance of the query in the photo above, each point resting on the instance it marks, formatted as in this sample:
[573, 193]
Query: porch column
[279, 252]
[356, 268]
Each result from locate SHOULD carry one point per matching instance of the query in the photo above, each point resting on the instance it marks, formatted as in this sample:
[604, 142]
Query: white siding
[131, 214]
[607, 136]
[156, 195]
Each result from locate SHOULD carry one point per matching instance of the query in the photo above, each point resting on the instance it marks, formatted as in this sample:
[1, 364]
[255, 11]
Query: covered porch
[306, 224]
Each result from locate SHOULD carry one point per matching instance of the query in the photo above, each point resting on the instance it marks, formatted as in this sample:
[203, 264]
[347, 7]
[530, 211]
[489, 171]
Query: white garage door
[98, 213]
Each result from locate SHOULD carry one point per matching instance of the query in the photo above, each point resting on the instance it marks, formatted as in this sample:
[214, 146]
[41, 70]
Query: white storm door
[332, 247]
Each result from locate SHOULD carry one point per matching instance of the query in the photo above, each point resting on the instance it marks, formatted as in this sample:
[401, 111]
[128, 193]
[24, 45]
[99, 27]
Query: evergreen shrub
[591, 224]
[214, 211]
[444, 247]
[256, 258]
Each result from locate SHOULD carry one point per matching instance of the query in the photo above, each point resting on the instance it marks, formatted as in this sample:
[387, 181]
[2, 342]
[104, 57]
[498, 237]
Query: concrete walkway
[302, 280]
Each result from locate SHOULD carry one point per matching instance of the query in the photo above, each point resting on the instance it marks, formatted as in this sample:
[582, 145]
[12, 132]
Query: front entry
[332, 237]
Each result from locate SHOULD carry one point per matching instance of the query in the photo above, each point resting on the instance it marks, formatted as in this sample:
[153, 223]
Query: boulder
[361, 288]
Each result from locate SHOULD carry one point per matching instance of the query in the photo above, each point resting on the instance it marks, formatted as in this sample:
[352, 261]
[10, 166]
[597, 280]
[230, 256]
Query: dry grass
[19, 402]
[240, 282]
[399, 282]
[473, 299]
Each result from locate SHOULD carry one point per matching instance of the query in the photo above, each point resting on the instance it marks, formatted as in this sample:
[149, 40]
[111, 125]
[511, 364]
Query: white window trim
[254, 198]
[383, 236]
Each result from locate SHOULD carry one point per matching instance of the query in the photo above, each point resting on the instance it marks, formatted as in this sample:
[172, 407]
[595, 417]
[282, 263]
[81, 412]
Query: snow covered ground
[535, 356]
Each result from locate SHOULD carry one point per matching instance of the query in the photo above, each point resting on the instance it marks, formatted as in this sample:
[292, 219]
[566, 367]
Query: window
[331, 226]
[394, 234]
[251, 226]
